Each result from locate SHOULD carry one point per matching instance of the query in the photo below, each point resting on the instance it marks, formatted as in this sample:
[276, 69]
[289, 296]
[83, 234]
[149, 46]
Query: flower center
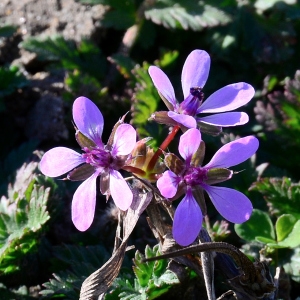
[97, 157]
[191, 104]
[195, 176]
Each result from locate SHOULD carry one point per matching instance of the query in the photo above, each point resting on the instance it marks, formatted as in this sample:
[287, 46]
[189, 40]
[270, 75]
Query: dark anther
[197, 92]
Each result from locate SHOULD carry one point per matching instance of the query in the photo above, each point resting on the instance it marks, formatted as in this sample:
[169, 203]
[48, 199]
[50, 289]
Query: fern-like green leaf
[10, 80]
[21, 218]
[281, 194]
[153, 279]
[81, 261]
[85, 57]
[186, 14]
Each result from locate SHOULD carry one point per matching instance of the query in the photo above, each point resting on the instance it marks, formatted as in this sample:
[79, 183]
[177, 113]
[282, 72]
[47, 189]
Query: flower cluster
[185, 177]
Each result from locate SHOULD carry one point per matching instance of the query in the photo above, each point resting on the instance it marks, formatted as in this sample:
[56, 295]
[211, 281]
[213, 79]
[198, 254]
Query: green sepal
[217, 175]
[210, 129]
[81, 173]
[112, 135]
[199, 196]
[174, 163]
[198, 156]
[161, 117]
[167, 103]
[83, 141]
[104, 182]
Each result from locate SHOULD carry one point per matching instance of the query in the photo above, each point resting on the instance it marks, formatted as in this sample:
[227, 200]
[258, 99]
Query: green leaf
[259, 225]
[152, 279]
[85, 57]
[186, 15]
[282, 195]
[10, 80]
[288, 231]
[7, 30]
[21, 220]
[81, 262]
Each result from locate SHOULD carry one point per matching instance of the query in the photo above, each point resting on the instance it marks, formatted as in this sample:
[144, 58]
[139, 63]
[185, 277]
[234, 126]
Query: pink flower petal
[233, 205]
[195, 71]
[228, 98]
[187, 220]
[226, 119]
[120, 191]
[59, 161]
[189, 143]
[83, 204]
[162, 84]
[234, 153]
[168, 184]
[88, 119]
[185, 120]
[124, 140]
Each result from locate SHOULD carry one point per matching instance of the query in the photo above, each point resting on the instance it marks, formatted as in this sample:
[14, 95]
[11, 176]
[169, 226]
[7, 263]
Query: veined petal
[185, 120]
[228, 98]
[88, 119]
[226, 119]
[59, 161]
[233, 205]
[168, 184]
[124, 140]
[120, 191]
[187, 220]
[162, 84]
[195, 71]
[234, 153]
[84, 203]
[189, 143]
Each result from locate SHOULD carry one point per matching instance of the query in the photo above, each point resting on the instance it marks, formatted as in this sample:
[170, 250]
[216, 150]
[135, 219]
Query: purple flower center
[97, 157]
[195, 176]
[191, 104]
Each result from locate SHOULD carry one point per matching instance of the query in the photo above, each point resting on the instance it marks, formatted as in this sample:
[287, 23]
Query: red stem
[162, 148]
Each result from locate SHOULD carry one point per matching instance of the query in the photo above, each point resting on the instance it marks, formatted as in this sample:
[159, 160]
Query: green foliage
[22, 216]
[10, 80]
[78, 262]
[86, 56]
[186, 15]
[82, 84]
[281, 194]
[121, 15]
[153, 279]
[260, 229]
[7, 30]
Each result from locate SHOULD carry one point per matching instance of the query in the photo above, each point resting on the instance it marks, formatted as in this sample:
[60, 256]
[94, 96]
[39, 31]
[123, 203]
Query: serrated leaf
[10, 80]
[81, 261]
[20, 225]
[259, 225]
[281, 194]
[85, 57]
[186, 15]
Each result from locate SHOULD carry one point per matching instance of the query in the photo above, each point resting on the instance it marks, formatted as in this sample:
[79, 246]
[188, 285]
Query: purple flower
[97, 160]
[194, 76]
[231, 204]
